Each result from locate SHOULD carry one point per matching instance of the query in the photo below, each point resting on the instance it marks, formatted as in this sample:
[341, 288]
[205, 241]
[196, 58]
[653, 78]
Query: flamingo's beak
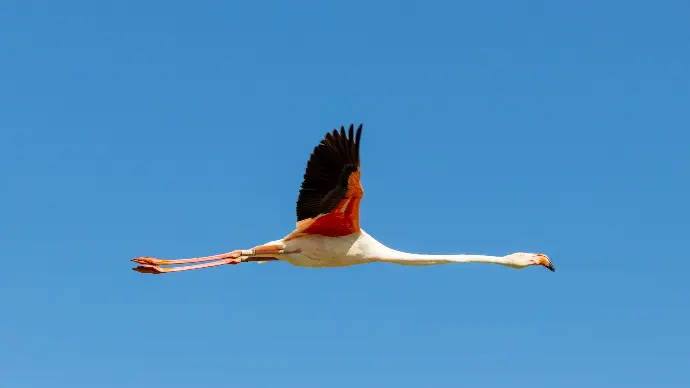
[546, 262]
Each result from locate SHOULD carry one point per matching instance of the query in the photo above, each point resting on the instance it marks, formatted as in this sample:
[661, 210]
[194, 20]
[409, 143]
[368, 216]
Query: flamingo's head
[521, 260]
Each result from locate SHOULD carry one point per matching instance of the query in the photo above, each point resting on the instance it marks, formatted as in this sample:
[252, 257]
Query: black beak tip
[551, 268]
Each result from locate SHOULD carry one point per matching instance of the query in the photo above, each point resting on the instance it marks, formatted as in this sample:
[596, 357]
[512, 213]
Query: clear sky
[180, 128]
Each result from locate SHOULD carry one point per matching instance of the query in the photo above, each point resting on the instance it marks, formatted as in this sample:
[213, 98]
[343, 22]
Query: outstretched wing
[328, 202]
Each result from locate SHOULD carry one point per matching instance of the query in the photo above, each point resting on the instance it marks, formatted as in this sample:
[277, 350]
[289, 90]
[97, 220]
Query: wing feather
[331, 181]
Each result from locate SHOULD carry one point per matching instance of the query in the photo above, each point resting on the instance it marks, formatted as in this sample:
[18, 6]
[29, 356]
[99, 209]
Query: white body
[321, 251]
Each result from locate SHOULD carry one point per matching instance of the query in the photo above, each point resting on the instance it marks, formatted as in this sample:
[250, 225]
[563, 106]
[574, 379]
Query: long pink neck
[385, 254]
[405, 258]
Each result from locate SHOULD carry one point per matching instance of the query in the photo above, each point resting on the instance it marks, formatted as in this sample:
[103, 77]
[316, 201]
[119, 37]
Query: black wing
[325, 181]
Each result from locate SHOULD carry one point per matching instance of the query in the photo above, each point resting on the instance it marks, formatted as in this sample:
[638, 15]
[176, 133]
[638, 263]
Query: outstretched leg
[154, 261]
[150, 265]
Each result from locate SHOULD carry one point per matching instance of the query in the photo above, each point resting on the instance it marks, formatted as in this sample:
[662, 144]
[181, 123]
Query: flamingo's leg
[150, 265]
[154, 261]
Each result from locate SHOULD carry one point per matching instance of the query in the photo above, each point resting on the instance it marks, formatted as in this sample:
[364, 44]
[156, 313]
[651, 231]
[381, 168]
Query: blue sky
[177, 129]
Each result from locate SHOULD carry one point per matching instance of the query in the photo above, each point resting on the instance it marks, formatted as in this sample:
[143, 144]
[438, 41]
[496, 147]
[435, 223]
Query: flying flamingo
[328, 232]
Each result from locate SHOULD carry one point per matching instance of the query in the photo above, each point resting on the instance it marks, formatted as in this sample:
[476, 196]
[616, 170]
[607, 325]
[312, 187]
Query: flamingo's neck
[385, 254]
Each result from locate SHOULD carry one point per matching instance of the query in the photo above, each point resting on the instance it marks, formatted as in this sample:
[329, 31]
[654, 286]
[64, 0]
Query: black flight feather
[327, 172]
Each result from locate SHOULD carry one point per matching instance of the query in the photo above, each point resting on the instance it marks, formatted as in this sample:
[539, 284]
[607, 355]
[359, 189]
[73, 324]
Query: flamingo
[328, 233]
